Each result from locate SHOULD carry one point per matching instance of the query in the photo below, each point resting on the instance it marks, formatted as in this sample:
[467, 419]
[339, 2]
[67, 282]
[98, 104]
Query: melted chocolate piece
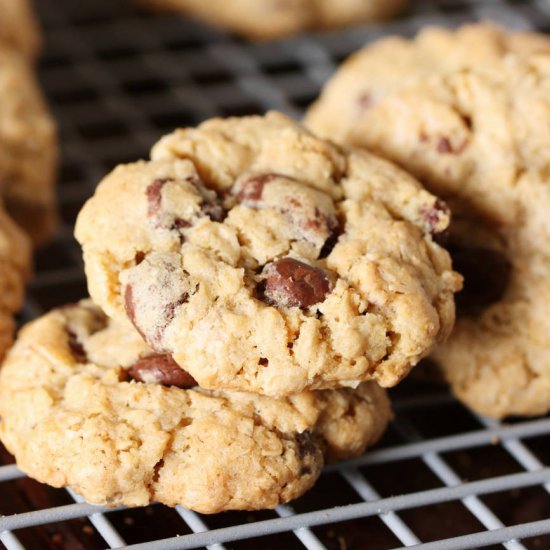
[210, 206]
[76, 347]
[161, 369]
[253, 187]
[291, 283]
[306, 446]
[431, 216]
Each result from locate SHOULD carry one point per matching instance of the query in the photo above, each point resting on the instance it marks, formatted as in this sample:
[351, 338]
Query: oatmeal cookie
[468, 113]
[264, 259]
[84, 403]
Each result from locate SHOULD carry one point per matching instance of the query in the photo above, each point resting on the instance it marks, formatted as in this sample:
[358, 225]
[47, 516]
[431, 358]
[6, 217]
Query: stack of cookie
[468, 112]
[27, 160]
[257, 288]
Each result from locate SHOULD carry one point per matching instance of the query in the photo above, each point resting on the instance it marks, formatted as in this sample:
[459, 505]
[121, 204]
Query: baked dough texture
[74, 414]
[468, 113]
[265, 259]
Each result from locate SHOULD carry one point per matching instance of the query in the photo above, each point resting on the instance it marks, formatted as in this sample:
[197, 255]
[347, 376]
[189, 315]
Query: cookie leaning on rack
[468, 112]
[265, 259]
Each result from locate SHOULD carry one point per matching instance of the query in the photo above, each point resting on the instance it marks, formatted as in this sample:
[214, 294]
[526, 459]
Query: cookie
[28, 149]
[265, 19]
[15, 267]
[468, 113]
[267, 260]
[19, 28]
[85, 403]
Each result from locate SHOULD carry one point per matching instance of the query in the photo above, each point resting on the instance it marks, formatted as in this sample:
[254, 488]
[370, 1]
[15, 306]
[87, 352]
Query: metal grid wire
[442, 478]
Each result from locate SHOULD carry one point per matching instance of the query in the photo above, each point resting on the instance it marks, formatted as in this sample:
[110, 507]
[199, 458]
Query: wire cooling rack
[442, 478]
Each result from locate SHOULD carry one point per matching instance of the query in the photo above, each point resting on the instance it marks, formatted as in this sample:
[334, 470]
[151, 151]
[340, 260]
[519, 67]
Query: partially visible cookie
[28, 149]
[264, 19]
[468, 113]
[264, 259]
[15, 267]
[19, 28]
[85, 403]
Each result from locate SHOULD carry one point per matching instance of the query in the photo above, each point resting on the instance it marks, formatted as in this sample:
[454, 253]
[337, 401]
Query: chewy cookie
[264, 19]
[84, 403]
[264, 259]
[28, 149]
[15, 267]
[468, 112]
[18, 28]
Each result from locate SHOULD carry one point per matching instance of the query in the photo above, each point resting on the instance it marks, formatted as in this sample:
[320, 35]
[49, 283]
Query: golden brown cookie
[265, 259]
[468, 113]
[85, 403]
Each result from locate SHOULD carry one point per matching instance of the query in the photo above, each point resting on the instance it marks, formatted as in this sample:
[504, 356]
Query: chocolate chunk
[309, 211]
[332, 228]
[432, 216]
[214, 210]
[161, 369]
[445, 147]
[167, 317]
[154, 206]
[330, 243]
[76, 347]
[291, 283]
[139, 257]
[306, 445]
[154, 197]
[130, 307]
[170, 309]
[486, 276]
[319, 221]
[467, 120]
[210, 206]
[253, 187]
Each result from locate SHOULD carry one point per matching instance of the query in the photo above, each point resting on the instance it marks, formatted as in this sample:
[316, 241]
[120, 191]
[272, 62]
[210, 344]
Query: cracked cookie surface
[267, 260]
[468, 112]
[28, 149]
[84, 403]
[264, 19]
